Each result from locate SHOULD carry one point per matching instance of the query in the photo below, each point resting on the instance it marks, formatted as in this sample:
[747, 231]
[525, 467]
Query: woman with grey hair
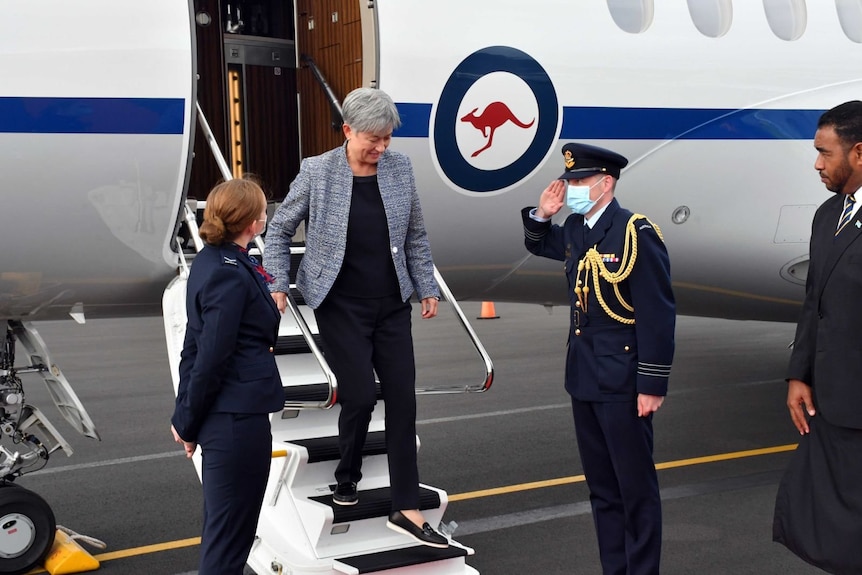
[366, 253]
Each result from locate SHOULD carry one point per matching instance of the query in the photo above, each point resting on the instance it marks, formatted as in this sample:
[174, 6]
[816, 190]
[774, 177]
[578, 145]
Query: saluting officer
[620, 349]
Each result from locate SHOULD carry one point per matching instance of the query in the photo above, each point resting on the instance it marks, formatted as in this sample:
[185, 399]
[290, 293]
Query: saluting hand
[552, 199]
[799, 397]
[648, 404]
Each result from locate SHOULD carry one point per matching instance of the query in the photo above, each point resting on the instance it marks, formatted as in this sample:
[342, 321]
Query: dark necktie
[849, 202]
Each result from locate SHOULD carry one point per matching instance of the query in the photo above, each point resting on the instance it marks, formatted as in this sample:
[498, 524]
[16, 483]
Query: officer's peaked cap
[584, 160]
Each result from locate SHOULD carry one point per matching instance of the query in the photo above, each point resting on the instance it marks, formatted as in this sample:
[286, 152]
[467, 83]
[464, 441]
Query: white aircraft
[714, 102]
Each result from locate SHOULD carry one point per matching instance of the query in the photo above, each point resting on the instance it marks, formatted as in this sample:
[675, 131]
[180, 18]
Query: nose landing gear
[27, 528]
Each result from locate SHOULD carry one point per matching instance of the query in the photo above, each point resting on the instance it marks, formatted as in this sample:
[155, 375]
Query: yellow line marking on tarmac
[136, 551]
[580, 478]
[726, 456]
[146, 549]
[192, 541]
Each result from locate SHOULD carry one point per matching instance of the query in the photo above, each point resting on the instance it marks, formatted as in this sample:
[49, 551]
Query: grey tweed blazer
[322, 192]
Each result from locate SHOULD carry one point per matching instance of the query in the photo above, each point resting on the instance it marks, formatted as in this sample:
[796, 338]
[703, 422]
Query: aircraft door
[247, 91]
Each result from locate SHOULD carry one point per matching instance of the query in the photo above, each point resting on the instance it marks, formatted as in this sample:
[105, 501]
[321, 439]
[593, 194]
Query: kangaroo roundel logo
[496, 120]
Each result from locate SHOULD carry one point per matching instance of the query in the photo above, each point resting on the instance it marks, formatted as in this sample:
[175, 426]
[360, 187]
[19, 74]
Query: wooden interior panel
[272, 145]
[336, 48]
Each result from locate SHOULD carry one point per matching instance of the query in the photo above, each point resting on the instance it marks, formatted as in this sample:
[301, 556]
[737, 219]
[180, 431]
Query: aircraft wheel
[27, 528]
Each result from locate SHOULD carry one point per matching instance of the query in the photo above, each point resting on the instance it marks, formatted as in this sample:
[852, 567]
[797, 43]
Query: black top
[367, 270]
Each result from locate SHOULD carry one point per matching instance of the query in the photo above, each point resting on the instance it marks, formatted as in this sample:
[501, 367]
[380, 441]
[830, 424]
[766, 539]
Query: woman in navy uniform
[620, 347]
[229, 383]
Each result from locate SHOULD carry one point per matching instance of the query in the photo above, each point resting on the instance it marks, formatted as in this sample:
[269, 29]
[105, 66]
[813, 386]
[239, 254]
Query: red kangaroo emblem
[494, 116]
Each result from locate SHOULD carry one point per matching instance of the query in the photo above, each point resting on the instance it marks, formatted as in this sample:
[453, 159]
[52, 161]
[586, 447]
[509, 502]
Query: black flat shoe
[424, 535]
[345, 494]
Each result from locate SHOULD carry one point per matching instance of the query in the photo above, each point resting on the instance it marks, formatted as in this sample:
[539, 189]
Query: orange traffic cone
[488, 311]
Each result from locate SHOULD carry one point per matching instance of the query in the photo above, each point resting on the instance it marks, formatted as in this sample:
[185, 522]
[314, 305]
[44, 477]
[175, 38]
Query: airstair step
[297, 296]
[374, 503]
[288, 344]
[326, 448]
[313, 392]
[310, 392]
[395, 558]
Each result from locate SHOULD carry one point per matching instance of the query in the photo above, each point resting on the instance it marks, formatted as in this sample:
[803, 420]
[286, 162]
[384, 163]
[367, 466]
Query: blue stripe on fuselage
[595, 123]
[92, 115]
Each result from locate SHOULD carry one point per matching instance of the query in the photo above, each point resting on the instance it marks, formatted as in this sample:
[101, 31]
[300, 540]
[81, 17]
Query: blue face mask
[578, 198]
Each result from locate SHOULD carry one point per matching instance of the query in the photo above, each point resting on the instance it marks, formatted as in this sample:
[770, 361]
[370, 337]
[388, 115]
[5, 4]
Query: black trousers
[818, 508]
[616, 449]
[237, 451]
[362, 336]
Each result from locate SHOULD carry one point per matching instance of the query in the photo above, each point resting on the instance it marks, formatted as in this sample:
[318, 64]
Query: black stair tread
[395, 558]
[310, 392]
[374, 503]
[288, 344]
[297, 296]
[326, 448]
[313, 392]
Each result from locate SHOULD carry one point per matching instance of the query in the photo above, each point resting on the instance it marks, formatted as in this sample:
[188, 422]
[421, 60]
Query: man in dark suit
[620, 349]
[818, 511]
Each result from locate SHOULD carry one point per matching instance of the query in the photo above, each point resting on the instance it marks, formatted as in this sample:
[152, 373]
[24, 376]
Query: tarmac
[507, 457]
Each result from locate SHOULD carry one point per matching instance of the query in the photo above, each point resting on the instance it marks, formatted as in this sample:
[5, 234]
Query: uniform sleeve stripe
[534, 236]
[653, 369]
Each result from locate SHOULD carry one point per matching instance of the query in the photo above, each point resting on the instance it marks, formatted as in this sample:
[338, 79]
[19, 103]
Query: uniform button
[577, 332]
[626, 348]
[577, 304]
[394, 249]
[271, 349]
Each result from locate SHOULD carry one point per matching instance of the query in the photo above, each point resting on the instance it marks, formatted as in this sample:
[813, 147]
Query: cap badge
[570, 161]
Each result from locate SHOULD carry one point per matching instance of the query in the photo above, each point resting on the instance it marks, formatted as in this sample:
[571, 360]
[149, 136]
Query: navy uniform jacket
[826, 354]
[609, 360]
[227, 364]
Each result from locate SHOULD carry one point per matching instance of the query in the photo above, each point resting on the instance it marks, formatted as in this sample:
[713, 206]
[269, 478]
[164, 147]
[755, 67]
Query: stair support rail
[334, 105]
[474, 340]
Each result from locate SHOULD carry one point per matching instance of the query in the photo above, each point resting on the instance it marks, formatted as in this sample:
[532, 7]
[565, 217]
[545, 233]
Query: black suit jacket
[227, 364]
[827, 354]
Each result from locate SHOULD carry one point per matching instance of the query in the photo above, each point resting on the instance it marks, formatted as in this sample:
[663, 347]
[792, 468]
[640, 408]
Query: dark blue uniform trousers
[237, 450]
[616, 451]
[362, 336]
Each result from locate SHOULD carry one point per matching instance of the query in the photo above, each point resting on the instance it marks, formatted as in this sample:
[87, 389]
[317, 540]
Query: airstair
[300, 530]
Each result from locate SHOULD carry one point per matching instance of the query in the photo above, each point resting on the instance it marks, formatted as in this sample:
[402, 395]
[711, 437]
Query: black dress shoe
[424, 535]
[345, 494]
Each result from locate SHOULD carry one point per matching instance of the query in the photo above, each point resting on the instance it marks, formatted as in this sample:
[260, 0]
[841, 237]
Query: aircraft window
[787, 18]
[711, 17]
[633, 16]
[850, 16]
